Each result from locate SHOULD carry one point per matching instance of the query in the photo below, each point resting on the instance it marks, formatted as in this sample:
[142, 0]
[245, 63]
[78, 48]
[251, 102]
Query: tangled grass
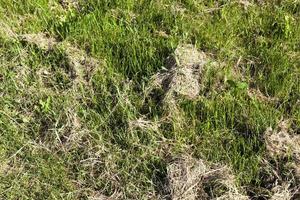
[149, 99]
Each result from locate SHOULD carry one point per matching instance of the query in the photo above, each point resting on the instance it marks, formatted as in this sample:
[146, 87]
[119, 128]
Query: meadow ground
[91, 108]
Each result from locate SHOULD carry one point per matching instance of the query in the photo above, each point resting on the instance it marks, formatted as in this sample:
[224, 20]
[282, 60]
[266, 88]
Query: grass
[58, 141]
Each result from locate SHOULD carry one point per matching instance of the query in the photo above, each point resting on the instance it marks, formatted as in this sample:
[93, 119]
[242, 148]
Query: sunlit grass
[44, 156]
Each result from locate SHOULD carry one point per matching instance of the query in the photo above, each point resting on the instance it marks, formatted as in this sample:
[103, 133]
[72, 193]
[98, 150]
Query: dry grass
[181, 80]
[281, 142]
[41, 40]
[81, 65]
[74, 127]
[281, 192]
[257, 94]
[183, 76]
[6, 31]
[144, 124]
[184, 176]
[188, 178]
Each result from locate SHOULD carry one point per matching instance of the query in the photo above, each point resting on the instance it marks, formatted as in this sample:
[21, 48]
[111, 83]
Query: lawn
[82, 118]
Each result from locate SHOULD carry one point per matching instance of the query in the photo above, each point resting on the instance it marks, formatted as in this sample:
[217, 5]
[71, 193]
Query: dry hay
[184, 82]
[81, 66]
[10, 166]
[233, 195]
[177, 8]
[281, 143]
[41, 40]
[187, 178]
[162, 34]
[245, 3]
[6, 31]
[18, 66]
[180, 80]
[184, 175]
[295, 165]
[183, 76]
[143, 124]
[187, 56]
[224, 178]
[257, 94]
[281, 192]
[74, 131]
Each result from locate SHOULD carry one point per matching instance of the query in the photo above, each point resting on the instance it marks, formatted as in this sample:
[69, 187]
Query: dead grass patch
[41, 40]
[6, 31]
[74, 131]
[66, 131]
[281, 192]
[181, 79]
[257, 94]
[188, 178]
[184, 176]
[143, 124]
[282, 142]
[183, 76]
[81, 65]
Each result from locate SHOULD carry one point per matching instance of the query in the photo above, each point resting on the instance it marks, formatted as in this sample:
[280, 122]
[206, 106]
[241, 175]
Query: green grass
[37, 161]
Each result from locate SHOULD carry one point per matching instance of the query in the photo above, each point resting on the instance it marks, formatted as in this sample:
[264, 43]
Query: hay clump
[257, 94]
[143, 124]
[41, 40]
[281, 192]
[6, 31]
[187, 56]
[188, 178]
[184, 177]
[183, 75]
[180, 79]
[281, 143]
[81, 66]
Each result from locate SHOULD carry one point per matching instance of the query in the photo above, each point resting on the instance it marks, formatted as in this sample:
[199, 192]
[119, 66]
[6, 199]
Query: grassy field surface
[141, 99]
